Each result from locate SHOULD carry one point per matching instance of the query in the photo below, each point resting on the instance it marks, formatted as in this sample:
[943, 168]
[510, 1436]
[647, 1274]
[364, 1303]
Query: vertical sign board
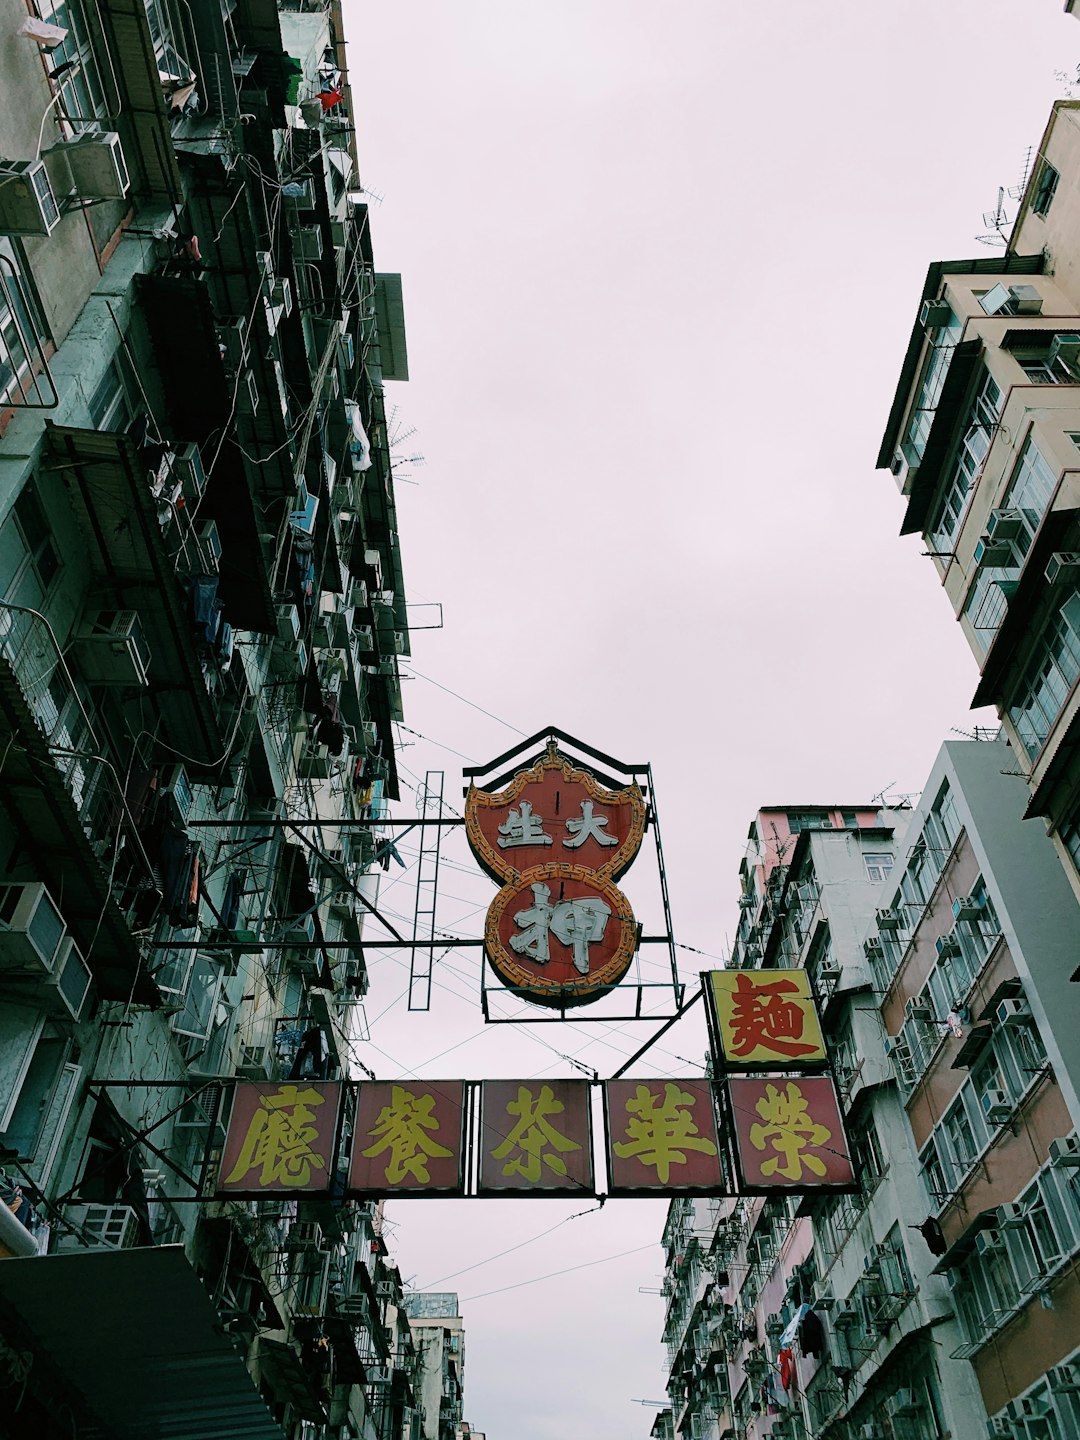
[789, 1133]
[661, 1137]
[765, 1020]
[409, 1138]
[535, 1138]
[559, 932]
[281, 1139]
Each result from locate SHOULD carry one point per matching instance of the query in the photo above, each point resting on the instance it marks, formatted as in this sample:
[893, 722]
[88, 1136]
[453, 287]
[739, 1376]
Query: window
[109, 406]
[82, 99]
[878, 865]
[21, 329]
[28, 559]
[943, 342]
[1046, 183]
[799, 820]
[1049, 676]
[1069, 833]
[966, 464]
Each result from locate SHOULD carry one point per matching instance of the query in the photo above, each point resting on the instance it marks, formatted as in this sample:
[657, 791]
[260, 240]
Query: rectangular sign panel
[535, 1137]
[789, 1133]
[661, 1136]
[765, 1019]
[409, 1138]
[280, 1139]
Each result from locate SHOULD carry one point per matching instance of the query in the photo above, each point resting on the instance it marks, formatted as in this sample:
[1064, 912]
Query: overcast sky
[661, 262]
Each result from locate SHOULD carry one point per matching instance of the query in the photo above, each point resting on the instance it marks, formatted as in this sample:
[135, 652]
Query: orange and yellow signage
[661, 1136]
[280, 1139]
[535, 1136]
[766, 1019]
[789, 1133]
[559, 932]
[409, 1136]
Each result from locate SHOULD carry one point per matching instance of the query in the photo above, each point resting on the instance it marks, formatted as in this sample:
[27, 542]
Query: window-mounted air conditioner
[247, 394]
[905, 1401]
[256, 1062]
[1011, 1217]
[70, 980]
[188, 467]
[299, 195]
[1004, 524]
[373, 564]
[308, 241]
[934, 314]
[947, 946]
[992, 551]
[1065, 348]
[281, 295]
[1027, 299]
[988, 1242]
[1064, 1379]
[99, 1227]
[845, 1316]
[288, 623]
[381, 1375]
[966, 907]
[301, 931]
[1062, 569]
[177, 794]
[997, 1106]
[31, 928]
[111, 649]
[916, 1009]
[369, 733]
[28, 204]
[90, 165]
[384, 1289]
[209, 542]
[1013, 1012]
[828, 969]
[1064, 1154]
[264, 263]
[873, 948]
[889, 919]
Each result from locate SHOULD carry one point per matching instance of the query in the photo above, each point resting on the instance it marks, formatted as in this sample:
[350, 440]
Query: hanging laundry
[811, 1335]
[934, 1236]
[329, 98]
[791, 1330]
[786, 1362]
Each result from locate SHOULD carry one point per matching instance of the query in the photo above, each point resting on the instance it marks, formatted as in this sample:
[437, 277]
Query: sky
[660, 266]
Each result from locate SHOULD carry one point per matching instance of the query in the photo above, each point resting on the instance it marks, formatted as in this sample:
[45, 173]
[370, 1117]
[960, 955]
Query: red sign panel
[661, 1136]
[789, 1133]
[559, 932]
[409, 1138]
[280, 1139]
[536, 1136]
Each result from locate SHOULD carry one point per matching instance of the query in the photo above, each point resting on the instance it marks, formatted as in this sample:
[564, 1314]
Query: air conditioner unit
[369, 733]
[381, 1375]
[1064, 1154]
[947, 946]
[1013, 1012]
[966, 907]
[177, 794]
[288, 623]
[247, 393]
[1005, 524]
[905, 1401]
[299, 195]
[99, 1227]
[308, 241]
[1062, 569]
[845, 1316]
[301, 931]
[828, 969]
[281, 296]
[899, 1052]
[111, 649]
[209, 542]
[997, 1106]
[31, 928]
[873, 948]
[71, 979]
[384, 1289]
[28, 205]
[889, 919]
[92, 164]
[1011, 1217]
[1002, 1429]
[256, 1061]
[1064, 1379]
[993, 551]
[916, 1009]
[988, 1242]
[824, 1302]
[189, 468]
[304, 1235]
[1065, 348]
[934, 314]
[373, 563]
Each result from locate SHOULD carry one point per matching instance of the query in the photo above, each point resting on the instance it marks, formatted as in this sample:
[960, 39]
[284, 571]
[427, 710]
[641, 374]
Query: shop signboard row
[744, 1134]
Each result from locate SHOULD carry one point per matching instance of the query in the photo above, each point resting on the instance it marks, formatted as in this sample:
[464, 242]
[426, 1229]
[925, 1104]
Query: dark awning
[939, 442]
[975, 1042]
[962, 1247]
[117, 513]
[136, 1335]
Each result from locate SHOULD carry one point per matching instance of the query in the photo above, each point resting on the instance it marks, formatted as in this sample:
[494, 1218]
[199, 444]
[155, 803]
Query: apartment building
[201, 614]
[440, 1336]
[934, 938]
[983, 439]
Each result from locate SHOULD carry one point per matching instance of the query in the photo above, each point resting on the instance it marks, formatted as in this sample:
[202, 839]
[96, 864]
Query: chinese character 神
[523, 827]
[790, 1131]
[589, 824]
[577, 923]
[279, 1139]
[402, 1129]
[761, 1016]
[534, 1136]
[662, 1131]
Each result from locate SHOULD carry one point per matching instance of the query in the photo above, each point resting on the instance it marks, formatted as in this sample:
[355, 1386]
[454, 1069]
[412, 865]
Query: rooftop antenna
[997, 219]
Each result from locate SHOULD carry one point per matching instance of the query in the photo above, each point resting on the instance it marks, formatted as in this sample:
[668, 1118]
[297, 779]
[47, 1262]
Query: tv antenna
[997, 219]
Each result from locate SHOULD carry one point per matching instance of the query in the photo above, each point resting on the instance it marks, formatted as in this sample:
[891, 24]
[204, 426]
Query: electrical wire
[554, 1274]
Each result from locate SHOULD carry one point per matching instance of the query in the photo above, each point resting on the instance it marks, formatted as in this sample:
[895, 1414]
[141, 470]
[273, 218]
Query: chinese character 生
[403, 1128]
[523, 827]
[662, 1131]
[279, 1139]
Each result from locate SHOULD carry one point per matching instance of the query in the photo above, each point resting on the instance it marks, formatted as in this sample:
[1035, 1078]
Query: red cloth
[786, 1360]
[329, 98]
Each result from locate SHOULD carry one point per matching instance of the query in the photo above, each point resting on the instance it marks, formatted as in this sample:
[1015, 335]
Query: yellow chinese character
[401, 1128]
[663, 1131]
[532, 1133]
[790, 1131]
[279, 1139]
